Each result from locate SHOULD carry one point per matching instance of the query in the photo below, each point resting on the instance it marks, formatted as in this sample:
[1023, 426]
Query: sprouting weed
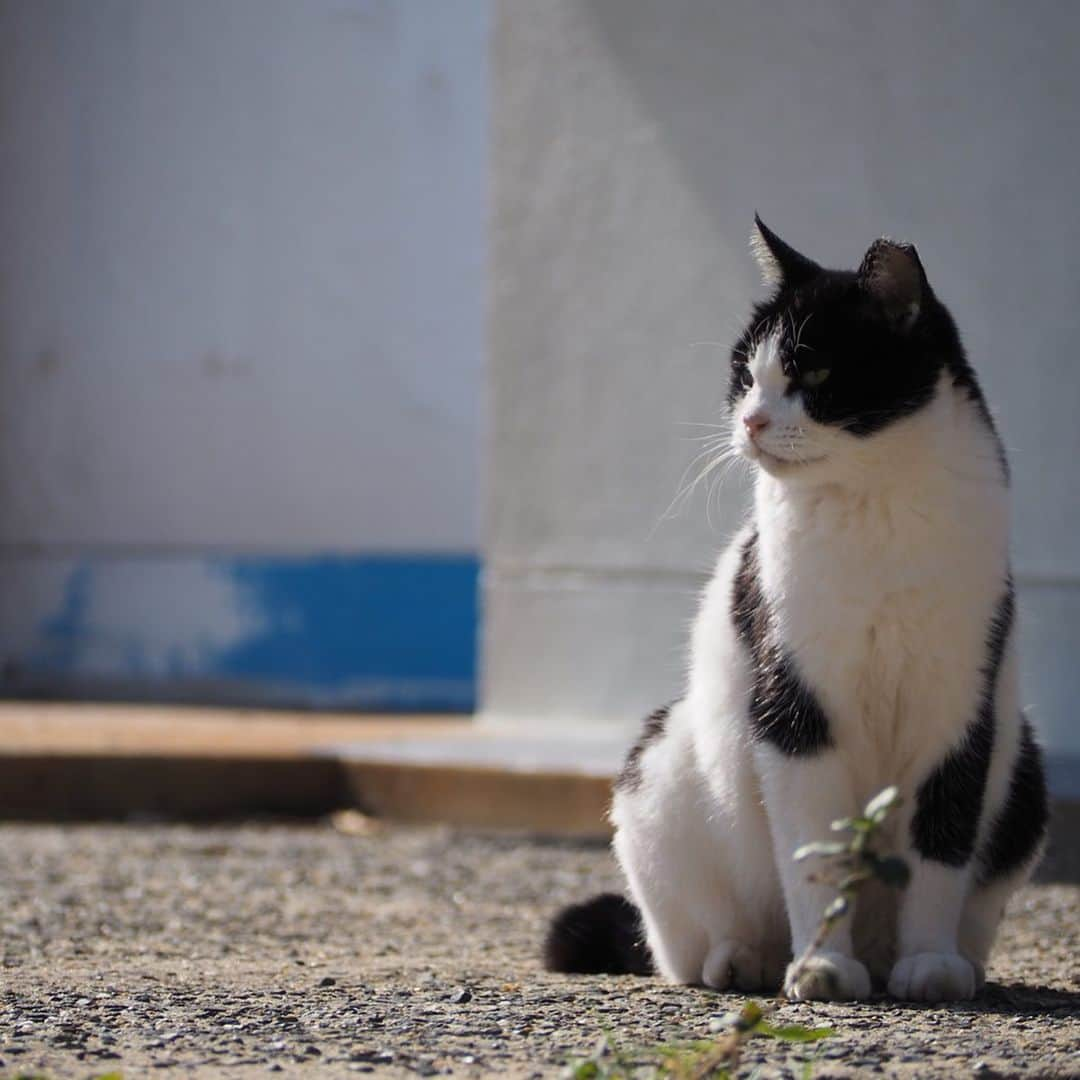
[851, 862]
[716, 1058]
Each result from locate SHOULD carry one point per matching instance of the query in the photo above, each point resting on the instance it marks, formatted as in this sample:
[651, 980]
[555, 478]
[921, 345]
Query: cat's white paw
[827, 976]
[933, 977]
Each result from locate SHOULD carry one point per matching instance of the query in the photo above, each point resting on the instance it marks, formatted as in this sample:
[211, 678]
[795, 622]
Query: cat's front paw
[933, 977]
[827, 976]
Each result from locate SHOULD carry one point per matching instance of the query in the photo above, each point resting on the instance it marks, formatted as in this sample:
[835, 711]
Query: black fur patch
[783, 709]
[629, 779]
[601, 936]
[950, 800]
[1021, 822]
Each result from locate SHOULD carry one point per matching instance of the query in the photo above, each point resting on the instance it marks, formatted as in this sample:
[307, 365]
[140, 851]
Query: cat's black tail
[601, 936]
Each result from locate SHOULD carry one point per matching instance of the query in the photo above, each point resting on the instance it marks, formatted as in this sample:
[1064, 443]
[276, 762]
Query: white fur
[771, 271]
[883, 560]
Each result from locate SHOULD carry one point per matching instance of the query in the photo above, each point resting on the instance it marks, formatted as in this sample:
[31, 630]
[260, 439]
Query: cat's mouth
[776, 465]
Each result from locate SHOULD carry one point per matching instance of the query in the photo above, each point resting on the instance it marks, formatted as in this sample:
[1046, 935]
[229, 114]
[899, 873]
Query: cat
[858, 632]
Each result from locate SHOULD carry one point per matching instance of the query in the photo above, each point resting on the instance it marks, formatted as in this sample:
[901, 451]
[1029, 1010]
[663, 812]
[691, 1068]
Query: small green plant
[848, 863]
[720, 1057]
[695, 1060]
[852, 861]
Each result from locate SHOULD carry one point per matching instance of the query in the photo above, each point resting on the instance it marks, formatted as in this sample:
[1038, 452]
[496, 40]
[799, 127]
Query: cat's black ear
[894, 276]
[780, 263]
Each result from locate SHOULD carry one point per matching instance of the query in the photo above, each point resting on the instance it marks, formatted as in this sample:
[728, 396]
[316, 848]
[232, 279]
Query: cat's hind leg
[693, 927]
[749, 941]
[678, 946]
[698, 863]
[659, 885]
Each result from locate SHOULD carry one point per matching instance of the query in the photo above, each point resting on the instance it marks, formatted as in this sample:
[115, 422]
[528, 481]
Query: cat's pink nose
[755, 423]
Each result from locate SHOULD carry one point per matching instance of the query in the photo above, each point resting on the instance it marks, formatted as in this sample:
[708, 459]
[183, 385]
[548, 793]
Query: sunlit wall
[632, 143]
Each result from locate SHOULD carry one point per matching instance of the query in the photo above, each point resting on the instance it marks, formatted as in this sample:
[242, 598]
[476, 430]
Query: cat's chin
[778, 466]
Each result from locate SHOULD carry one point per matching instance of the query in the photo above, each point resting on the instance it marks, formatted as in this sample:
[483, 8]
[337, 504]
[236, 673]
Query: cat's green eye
[816, 377]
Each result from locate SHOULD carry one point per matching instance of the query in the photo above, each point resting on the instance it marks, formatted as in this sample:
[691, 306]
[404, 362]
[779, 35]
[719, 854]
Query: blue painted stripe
[387, 632]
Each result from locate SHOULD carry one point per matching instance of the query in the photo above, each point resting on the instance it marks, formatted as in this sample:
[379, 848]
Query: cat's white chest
[886, 627]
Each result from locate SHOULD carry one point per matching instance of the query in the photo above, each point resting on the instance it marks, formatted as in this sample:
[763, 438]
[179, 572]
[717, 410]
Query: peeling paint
[366, 631]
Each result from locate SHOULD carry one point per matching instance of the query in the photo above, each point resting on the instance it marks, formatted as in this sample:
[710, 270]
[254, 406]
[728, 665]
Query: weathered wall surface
[243, 271]
[242, 286]
[632, 143]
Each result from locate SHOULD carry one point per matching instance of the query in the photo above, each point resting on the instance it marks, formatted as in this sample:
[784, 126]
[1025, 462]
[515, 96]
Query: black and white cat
[858, 632]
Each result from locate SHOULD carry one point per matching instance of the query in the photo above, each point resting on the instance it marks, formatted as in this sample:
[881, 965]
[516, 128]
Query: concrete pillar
[632, 143]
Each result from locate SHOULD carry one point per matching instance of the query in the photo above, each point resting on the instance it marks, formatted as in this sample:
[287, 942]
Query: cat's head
[835, 357]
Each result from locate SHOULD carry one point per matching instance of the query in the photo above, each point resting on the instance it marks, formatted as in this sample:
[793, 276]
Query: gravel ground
[278, 949]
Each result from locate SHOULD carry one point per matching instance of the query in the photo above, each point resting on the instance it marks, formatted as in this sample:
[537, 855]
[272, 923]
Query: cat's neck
[934, 479]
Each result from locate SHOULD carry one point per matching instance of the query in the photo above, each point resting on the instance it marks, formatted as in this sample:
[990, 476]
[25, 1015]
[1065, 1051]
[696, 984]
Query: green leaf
[819, 847]
[810, 1062]
[852, 824]
[882, 803]
[698, 1046]
[853, 881]
[837, 908]
[750, 1015]
[585, 1070]
[795, 1033]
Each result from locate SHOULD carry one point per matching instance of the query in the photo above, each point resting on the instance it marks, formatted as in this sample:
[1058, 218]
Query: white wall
[632, 143]
[242, 272]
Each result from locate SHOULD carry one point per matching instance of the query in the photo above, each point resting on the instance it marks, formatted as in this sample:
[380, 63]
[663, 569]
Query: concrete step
[70, 761]
[484, 777]
[80, 761]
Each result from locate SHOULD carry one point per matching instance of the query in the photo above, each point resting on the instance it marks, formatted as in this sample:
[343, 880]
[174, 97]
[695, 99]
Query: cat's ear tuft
[780, 263]
[894, 276]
